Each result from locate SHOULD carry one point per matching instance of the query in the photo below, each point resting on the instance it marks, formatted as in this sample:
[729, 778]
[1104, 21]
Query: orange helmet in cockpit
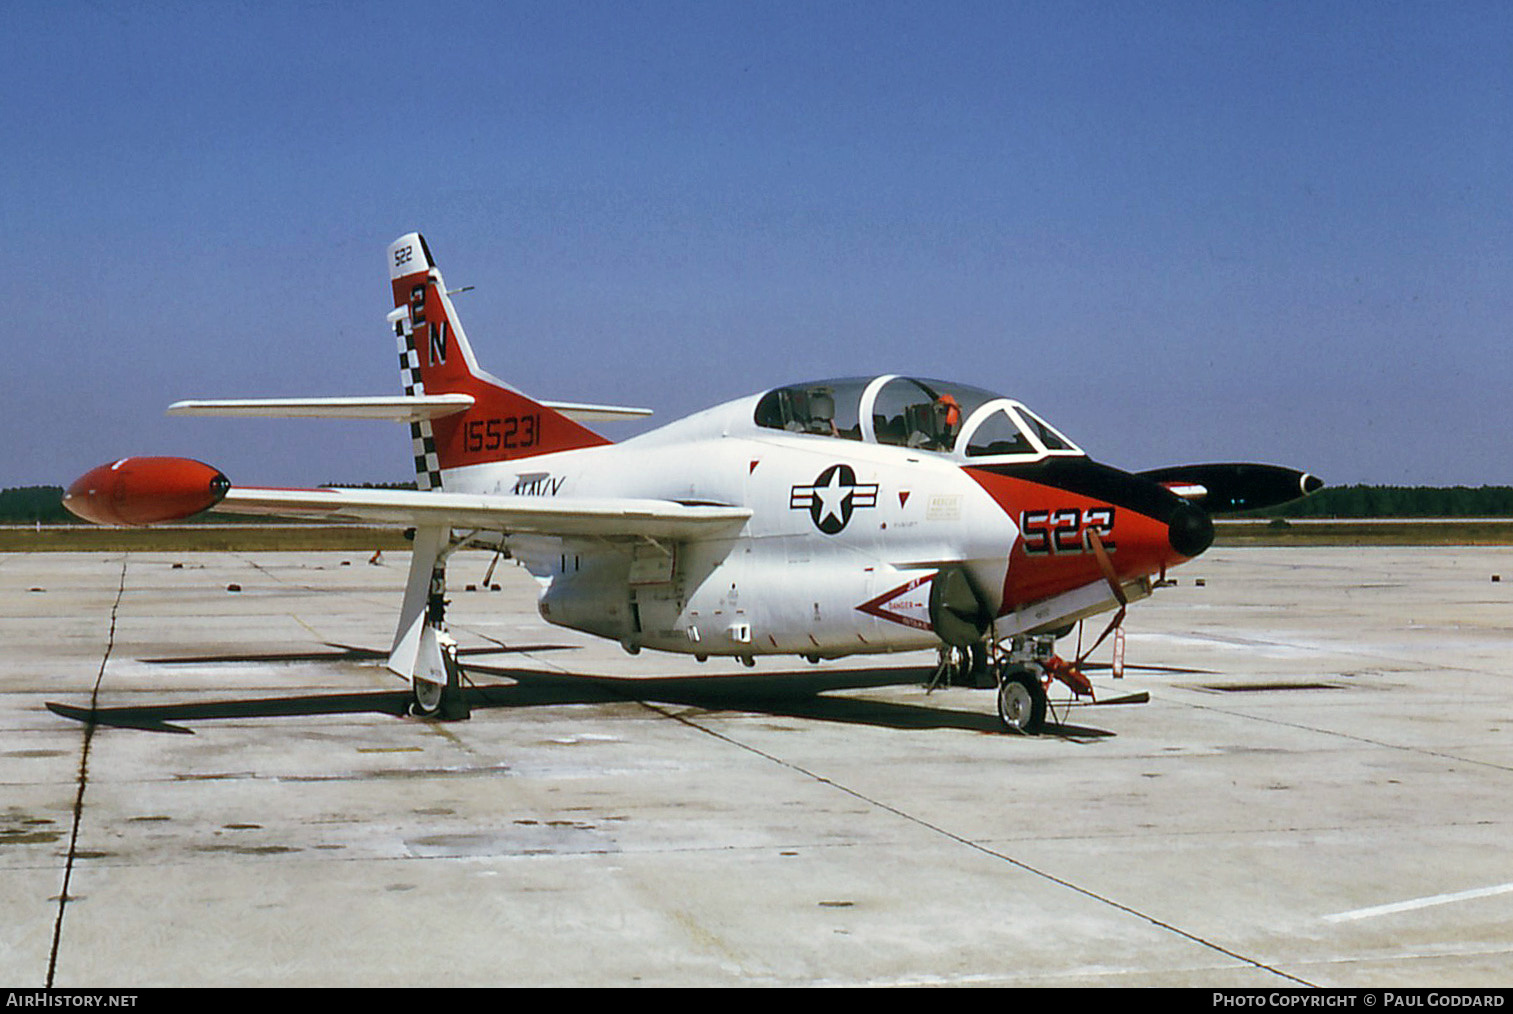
[951, 409]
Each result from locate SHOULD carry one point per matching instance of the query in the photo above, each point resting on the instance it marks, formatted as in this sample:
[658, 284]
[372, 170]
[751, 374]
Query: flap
[606, 517]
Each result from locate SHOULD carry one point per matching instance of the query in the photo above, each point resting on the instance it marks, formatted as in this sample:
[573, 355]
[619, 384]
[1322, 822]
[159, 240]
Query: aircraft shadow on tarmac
[802, 694]
[343, 653]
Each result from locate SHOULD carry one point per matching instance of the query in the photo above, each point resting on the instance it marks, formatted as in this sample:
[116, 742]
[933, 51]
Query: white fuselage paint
[777, 584]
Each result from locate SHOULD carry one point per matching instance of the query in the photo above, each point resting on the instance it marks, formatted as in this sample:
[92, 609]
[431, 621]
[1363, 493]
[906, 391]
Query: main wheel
[1021, 700]
[426, 698]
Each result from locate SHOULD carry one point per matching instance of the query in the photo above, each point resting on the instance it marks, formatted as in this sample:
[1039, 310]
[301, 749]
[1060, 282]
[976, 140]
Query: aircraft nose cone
[1190, 530]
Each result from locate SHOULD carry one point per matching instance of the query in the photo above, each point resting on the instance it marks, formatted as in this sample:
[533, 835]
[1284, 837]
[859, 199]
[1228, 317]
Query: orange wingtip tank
[145, 491]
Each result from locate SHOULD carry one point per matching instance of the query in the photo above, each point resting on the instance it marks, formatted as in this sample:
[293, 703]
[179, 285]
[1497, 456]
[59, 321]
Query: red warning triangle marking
[903, 497]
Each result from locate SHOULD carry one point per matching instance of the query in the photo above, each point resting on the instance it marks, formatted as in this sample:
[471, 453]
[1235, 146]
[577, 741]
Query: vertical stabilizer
[435, 358]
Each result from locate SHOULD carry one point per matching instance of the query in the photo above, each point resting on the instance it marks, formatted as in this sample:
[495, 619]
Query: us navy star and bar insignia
[832, 498]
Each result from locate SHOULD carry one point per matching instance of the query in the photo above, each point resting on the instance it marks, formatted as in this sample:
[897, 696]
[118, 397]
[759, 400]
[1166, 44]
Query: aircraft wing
[146, 491]
[606, 517]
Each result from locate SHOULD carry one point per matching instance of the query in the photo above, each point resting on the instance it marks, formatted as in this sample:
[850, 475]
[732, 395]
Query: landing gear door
[958, 611]
[652, 563]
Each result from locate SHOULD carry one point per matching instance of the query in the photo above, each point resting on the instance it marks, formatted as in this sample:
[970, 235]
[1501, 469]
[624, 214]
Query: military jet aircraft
[822, 519]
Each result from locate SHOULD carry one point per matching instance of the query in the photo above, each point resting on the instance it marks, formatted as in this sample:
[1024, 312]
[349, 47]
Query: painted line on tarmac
[1417, 903]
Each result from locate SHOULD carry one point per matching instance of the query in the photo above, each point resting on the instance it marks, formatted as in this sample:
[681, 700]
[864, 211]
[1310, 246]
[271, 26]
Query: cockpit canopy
[926, 415]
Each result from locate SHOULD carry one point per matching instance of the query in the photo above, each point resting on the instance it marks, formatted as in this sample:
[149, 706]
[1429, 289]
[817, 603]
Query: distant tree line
[369, 485]
[1399, 502]
[30, 505]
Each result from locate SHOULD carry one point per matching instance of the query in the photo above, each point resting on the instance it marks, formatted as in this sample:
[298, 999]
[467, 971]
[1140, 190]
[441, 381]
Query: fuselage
[860, 539]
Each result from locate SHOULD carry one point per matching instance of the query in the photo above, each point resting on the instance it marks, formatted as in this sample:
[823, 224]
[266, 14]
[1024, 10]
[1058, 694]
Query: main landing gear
[436, 689]
[423, 653]
[963, 667]
[443, 700]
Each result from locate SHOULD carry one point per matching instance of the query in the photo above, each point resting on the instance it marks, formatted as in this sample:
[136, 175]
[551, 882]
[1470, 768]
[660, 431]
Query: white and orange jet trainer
[823, 519]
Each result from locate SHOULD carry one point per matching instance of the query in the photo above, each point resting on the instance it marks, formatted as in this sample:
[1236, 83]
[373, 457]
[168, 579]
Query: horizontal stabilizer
[596, 413]
[395, 408]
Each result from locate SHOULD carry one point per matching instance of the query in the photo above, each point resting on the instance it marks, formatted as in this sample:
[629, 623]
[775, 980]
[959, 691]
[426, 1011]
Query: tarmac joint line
[83, 780]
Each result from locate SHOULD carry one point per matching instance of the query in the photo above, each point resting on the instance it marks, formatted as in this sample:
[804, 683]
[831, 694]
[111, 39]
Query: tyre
[426, 698]
[1021, 701]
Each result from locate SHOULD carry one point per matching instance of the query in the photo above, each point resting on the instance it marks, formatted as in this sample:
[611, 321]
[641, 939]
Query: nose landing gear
[1025, 673]
[1021, 698]
[1028, 666]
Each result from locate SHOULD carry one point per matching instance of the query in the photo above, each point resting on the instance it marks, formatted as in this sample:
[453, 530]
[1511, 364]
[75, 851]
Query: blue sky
[1180, 231]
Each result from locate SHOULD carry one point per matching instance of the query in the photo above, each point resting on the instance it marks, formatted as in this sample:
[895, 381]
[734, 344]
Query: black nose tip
[1190, 530]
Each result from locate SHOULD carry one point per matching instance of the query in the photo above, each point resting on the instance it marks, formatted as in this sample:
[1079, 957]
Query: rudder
[436, 358]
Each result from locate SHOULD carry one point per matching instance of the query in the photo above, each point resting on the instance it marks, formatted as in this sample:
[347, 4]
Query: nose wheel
[1021, 699]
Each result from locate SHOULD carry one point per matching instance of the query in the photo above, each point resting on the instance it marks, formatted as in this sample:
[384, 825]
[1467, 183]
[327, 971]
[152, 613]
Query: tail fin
[435, 358]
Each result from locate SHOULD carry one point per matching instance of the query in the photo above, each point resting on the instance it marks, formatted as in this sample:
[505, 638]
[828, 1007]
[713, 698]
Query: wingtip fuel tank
[145, 491]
